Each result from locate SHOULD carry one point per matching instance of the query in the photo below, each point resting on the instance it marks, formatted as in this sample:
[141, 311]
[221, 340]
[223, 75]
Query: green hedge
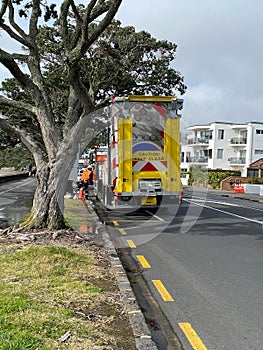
[212, 177]
[255, 180]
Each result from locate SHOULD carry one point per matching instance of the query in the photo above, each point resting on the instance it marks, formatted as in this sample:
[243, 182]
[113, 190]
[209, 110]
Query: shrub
[211, 176]
[255, 180]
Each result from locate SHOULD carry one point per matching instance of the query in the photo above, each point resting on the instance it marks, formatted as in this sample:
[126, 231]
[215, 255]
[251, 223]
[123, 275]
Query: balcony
[238, 141]
[197, 160]
[237, 160]
[198, 141]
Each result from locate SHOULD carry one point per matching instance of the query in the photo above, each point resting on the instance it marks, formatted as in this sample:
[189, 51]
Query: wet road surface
[15, 200]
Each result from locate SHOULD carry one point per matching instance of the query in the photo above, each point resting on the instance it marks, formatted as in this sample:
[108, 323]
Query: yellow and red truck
[140, 167]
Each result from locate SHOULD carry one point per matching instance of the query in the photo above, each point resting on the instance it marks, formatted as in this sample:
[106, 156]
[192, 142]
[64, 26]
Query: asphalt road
[15, 200]
[203, 267]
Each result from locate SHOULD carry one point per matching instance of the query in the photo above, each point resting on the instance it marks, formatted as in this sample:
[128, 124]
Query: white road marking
[155, 216]
[14, 187]
[226, 212]
[224, 203]
[215, 202]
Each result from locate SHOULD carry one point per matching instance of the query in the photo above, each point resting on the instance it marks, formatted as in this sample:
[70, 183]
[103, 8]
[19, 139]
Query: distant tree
[65, 73]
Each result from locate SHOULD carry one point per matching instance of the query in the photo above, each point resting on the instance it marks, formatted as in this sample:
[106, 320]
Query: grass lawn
[60, 294]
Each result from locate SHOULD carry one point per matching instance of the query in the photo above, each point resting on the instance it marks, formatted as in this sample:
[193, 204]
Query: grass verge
[60, 295]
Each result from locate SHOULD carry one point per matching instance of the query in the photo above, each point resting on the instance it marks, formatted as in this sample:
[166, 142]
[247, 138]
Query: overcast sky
[220, 53]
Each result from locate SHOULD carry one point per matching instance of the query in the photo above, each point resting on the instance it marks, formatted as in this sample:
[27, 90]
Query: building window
[258, 151]
[220, 153]
[252, 172]
[221, 133]
[259, 131]
[206, 135]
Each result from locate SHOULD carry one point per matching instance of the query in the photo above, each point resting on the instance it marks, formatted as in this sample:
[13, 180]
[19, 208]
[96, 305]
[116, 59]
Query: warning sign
[148, 155]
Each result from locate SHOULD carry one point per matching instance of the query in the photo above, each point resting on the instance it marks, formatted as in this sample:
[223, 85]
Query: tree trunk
[48, 202]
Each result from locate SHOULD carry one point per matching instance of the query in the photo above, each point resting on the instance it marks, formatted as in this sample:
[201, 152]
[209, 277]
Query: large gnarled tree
[72, 68]
[55, 163]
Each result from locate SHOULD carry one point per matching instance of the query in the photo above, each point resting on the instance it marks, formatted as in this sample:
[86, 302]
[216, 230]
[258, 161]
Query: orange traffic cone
[81, 194]
[236, 188]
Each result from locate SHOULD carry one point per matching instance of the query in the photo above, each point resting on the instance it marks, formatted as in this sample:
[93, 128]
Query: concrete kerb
[140, 329]
[11, 177]
[243, 196]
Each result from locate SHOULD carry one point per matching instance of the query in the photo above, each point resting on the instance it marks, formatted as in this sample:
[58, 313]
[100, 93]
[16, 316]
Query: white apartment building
[219, 145]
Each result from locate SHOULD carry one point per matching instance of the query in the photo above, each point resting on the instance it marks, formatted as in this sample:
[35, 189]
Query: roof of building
[205, 126]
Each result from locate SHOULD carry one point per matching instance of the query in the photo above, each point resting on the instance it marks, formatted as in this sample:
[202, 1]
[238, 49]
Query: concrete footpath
[245, 196]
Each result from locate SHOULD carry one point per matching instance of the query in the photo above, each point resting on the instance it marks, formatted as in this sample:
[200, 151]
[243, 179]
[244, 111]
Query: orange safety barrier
[238, 188]
[81, 194]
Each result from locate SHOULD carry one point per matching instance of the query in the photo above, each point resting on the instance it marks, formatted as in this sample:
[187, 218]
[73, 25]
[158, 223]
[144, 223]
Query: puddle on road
[14, 213]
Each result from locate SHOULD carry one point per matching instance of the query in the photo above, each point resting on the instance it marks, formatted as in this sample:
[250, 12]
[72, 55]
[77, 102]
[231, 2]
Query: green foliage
[15, 157]
[49, 11]
[121, 62]
[20, 119]
[213, 177]
[183, 174]
[255, 180]
[7, 140]
[197, 175]
[216, 176]
[124, 61]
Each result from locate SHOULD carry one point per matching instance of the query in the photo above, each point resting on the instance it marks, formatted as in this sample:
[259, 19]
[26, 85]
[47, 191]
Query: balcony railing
[196, 160]
[236, 160]
[238, 141]
[197, 141]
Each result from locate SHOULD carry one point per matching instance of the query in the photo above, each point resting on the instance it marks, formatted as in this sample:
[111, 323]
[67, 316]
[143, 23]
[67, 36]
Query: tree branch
[22, 37]
[13, 35]
[101, 8]
[13, 23]
[76, 12]
[20, 57]
[3, 9]
[43, 109]
[113, 8]
[25, 138]
[64, 23]
[17, 105]
[33, 29]
[8, 61]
